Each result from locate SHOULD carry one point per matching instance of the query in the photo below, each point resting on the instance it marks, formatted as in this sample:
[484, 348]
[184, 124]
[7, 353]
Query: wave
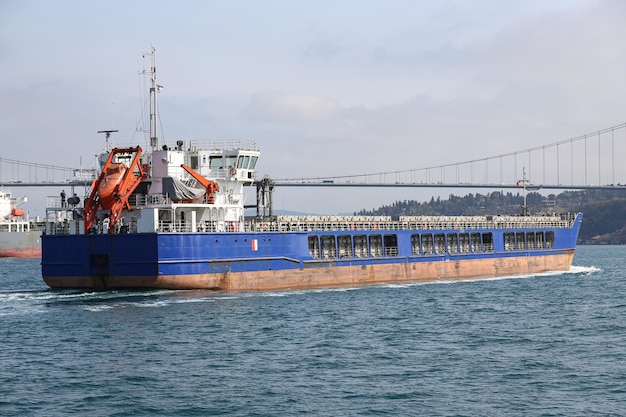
[67, 295]
[32, 301]
[576, 270]
[584, 270]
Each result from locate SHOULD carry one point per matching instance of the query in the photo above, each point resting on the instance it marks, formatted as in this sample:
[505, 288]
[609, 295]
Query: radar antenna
[107, 135]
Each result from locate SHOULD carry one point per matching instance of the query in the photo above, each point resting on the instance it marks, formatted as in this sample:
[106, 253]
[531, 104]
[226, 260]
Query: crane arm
[210, 186]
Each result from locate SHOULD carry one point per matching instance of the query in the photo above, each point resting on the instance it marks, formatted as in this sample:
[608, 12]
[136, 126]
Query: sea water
[539, 345]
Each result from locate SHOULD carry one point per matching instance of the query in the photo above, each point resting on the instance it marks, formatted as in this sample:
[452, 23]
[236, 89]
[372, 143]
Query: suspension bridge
[594, 160]
[590, 161]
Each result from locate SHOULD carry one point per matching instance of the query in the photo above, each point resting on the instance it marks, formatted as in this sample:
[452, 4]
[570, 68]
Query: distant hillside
[604, 211]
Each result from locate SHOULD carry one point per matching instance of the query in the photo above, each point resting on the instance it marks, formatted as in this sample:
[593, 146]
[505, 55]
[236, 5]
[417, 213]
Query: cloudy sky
[325, 88]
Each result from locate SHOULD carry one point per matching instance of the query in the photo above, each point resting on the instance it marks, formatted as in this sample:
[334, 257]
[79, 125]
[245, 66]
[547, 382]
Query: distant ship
[174, 218]
[19, 237]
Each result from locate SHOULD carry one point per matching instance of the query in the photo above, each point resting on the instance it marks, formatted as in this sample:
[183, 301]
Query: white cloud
[292, 108]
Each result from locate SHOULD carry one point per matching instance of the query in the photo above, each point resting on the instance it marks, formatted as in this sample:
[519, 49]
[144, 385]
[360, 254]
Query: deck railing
[356, 223]
[338, 223]
[360, 223]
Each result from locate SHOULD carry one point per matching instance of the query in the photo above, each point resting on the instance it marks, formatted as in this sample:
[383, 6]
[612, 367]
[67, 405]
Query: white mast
[154, 89]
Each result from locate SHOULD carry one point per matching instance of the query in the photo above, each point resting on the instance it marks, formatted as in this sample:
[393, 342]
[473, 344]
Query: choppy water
[548, 345]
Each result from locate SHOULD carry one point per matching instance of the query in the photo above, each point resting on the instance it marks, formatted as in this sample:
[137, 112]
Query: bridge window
[243, 161]
[216, 162]
[329, 248]
[253, 162]
[345, 246]
[314, 247]
[391, 245]
[376, 246]
[360, 246]
[427, 244]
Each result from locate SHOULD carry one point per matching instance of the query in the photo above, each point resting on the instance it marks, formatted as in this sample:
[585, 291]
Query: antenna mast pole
[524, 184]
[154, 89]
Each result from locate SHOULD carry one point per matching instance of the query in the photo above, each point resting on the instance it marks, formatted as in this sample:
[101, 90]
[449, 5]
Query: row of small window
[375, 245]
[358, 246]
[243, 162]
[528, 240]
[453, 243]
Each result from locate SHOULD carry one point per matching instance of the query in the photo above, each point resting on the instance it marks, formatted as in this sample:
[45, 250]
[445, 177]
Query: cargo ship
[19, 237]
[174, 217]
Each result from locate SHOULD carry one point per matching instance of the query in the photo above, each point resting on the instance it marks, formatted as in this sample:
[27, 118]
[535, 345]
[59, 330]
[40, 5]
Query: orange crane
[210, 186]
[113, 187]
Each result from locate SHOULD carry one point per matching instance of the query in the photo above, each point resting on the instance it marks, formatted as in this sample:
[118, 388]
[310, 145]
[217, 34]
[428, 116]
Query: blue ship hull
[257, 261]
